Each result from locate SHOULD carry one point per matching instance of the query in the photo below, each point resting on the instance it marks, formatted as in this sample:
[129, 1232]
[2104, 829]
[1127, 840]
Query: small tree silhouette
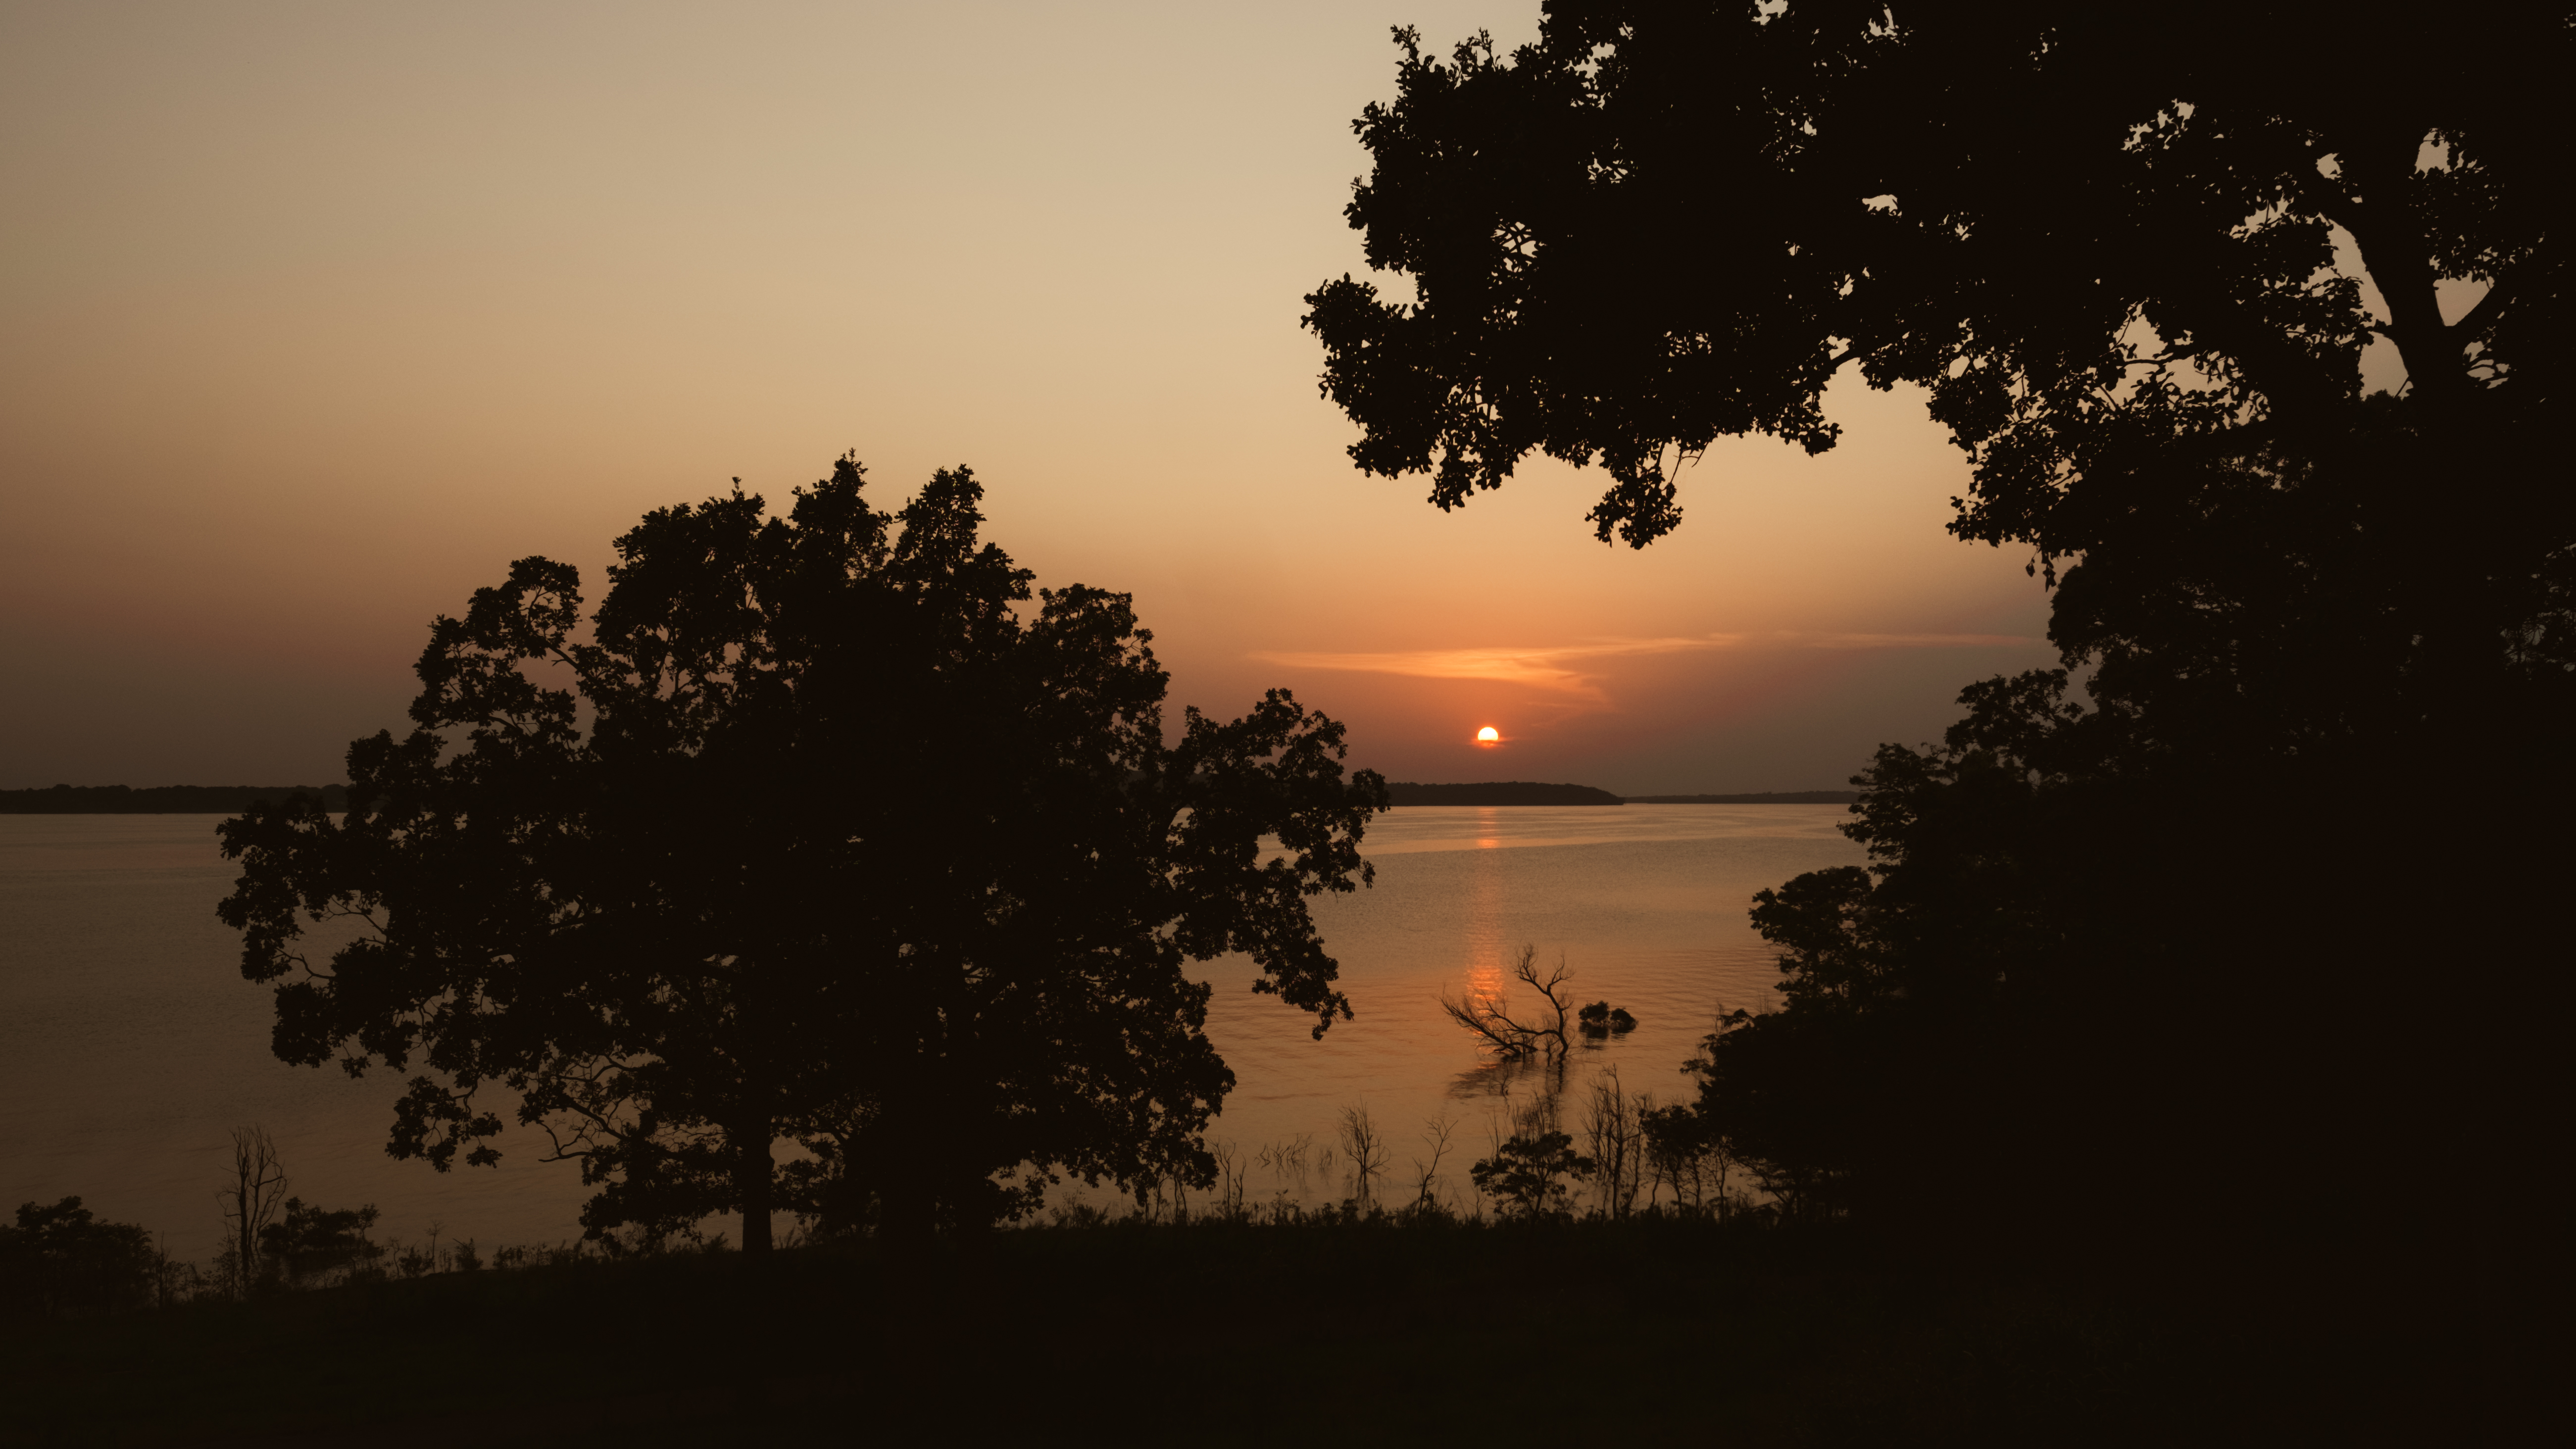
[1426, 1193]
[59, 1261]
[1366, 1148]
[1612, 1129]
[1525, 1174]
[313, 1241]
[251, 1196]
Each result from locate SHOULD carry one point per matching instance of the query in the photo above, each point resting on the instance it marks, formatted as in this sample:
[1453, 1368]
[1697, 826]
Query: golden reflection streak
[1485, 910]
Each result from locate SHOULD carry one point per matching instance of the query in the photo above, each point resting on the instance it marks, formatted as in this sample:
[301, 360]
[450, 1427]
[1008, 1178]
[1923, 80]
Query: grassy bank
[1235, 1334]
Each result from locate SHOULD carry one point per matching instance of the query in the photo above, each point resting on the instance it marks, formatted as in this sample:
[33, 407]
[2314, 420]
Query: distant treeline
[1523, 792]
[162, 799]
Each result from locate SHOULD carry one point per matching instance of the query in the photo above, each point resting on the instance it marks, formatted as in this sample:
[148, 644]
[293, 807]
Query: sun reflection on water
[1485, 909]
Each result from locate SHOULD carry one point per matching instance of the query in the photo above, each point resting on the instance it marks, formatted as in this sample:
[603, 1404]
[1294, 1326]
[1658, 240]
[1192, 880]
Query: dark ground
[1641, 1333]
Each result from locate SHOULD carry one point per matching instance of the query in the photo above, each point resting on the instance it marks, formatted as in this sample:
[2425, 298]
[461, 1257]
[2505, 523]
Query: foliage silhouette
[310, 1241]
[59, 1261]
[2124, 253]
[1526, 1175]
[1685, 1156]
[945, 966]
[2086, 234]
[1601, 1019]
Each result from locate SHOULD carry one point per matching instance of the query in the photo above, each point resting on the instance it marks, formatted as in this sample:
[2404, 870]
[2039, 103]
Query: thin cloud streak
[1547, 668]
[1912, 641]
[1537, 668]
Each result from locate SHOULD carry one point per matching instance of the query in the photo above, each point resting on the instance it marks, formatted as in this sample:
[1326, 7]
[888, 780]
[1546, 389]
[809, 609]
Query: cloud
[1551, 667]
[1910, 641]
[1544, 668]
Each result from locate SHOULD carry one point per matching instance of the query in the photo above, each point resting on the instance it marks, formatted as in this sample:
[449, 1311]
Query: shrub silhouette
[1526, 1175]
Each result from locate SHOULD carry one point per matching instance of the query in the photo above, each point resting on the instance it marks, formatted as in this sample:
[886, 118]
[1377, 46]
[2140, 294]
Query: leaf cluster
[311, 1240]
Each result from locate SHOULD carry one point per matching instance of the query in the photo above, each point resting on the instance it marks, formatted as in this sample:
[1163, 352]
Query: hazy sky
[317, 315]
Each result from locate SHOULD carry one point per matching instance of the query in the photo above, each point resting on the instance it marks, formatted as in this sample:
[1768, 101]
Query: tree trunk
[752, 1172]
[751, 1181]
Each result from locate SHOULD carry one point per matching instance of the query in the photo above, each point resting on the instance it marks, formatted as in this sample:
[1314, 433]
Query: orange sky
[319, 314]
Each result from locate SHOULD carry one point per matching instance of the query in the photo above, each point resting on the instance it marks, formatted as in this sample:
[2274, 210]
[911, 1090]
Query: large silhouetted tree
[2082, 230]
[2133, 256]
[823, 832]
[2104, 242]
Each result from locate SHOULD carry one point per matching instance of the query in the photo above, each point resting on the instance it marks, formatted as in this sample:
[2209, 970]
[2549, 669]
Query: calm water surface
[130, 1045]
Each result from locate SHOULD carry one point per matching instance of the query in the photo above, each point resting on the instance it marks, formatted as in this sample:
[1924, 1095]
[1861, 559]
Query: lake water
[130, 1046]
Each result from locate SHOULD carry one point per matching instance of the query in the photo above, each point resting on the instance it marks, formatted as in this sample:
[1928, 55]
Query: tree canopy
[2168, 903]
[822, 833]
[58, 1260]
[2087, 232]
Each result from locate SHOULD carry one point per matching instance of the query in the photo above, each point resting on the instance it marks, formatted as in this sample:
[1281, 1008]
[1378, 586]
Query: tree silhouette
[1525, 1176]
[2090, 235]
[58, 1260]
[2107, 250]
[310, 1240]
[828, 835]
[253, 1191]
[2134, 258]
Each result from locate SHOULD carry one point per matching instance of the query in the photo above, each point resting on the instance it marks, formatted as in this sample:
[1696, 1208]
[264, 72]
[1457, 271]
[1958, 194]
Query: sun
[1489, 736]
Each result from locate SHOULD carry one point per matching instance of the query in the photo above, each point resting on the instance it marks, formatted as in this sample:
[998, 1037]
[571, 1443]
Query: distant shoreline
[1492, 793]
[233, 799]
[163, 799]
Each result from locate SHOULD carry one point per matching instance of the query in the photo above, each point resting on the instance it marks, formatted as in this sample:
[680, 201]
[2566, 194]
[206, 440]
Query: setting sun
[1489, 736]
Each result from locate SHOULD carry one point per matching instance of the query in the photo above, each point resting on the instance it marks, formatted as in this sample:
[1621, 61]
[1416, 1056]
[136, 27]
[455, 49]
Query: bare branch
[1499, 1031]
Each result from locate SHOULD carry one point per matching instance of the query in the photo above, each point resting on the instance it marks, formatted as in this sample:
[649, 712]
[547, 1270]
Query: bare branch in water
[1499, 1031]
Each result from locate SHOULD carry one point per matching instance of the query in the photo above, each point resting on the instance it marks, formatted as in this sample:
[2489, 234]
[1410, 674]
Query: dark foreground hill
[1633, 1332]
[162, 799]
